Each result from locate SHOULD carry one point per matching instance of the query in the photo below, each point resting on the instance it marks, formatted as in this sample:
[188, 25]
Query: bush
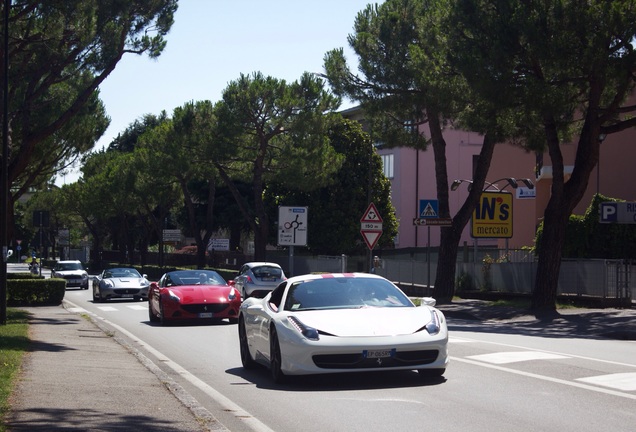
[32, 290]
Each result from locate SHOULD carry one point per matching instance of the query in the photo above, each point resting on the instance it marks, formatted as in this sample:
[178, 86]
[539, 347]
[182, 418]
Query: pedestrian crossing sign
[429, 208]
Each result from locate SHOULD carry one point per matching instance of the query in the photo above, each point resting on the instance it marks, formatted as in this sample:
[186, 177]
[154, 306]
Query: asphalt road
[499, 379]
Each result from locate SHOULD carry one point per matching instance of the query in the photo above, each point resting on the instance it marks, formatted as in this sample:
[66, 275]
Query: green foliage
[335, 210]
[587, 238]
[35, 291]
[62, 51]
[278, 132]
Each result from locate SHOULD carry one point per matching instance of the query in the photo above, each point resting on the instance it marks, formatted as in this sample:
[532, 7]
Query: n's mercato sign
[492, 217]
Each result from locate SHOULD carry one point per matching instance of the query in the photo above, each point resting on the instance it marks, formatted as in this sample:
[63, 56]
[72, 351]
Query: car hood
[367, 321]
[202, 293]
[126, 281]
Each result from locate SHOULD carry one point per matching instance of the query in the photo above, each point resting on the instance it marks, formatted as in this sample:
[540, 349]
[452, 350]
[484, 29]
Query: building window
[387, 165]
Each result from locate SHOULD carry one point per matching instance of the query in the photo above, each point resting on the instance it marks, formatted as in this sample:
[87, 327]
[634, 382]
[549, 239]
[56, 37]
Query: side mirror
[427, 301]
[231, 282]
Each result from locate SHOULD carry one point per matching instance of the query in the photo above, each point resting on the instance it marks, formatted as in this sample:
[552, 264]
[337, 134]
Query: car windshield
[344, 292]
[121, 273]
[68, 266]
[193, 277]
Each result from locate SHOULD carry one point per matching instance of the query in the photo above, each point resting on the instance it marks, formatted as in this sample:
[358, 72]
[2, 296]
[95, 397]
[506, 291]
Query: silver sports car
[328, 323]
[120, 282]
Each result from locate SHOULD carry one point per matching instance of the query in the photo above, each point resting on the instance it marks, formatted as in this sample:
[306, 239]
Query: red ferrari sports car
[192, 295]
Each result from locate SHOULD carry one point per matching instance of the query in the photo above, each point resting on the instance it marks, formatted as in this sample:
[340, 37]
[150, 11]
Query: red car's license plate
[205, 315]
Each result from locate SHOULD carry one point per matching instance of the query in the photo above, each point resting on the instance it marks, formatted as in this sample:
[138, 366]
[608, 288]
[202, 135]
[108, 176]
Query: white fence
[604, 279]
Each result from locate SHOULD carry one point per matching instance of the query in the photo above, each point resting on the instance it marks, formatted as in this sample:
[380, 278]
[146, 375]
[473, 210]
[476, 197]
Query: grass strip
[14, 343]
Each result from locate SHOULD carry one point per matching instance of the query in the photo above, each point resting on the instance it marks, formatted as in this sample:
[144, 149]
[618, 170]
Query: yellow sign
[492, 218]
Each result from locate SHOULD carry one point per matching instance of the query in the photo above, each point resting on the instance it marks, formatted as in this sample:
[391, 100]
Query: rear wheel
[275, 357]
[246, 357]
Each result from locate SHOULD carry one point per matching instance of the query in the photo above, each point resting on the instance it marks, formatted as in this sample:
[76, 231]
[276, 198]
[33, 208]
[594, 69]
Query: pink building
[412, 175]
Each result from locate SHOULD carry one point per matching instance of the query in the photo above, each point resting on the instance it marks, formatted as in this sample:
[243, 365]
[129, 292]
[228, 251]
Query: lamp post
[4, 180]
[601, 138]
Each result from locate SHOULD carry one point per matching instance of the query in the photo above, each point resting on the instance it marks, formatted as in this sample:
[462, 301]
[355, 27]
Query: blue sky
[213, 41]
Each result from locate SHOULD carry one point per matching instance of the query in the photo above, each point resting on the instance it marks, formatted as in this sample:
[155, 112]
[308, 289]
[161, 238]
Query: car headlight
[308, 332]
[108, 283]
[84, 275]
[173, 296]
[433, 327]
[233, 294]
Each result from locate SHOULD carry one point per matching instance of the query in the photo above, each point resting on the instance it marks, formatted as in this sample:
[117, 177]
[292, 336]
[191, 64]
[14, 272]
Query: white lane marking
[251, 422]
[545, 378]
[107, 308]
[515, 356]
[619, 381]
[137, 307]
[630, 365]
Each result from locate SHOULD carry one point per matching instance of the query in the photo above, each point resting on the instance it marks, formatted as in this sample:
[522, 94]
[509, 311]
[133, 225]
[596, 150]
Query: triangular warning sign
[428, 211]
[371, 237]
[371, 214]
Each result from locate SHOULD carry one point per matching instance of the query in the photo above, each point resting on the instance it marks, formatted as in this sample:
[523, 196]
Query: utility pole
[4, 178]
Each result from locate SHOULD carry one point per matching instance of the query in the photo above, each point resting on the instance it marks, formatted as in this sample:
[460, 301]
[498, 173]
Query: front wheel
[151, 316]
[96, 298]
[162, 317]
[275, 357]
[246, 357]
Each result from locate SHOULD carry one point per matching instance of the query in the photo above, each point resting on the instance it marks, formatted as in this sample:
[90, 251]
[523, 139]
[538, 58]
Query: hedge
[25, 289]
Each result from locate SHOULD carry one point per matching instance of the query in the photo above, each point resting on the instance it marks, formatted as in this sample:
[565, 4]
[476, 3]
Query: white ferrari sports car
[341, 322]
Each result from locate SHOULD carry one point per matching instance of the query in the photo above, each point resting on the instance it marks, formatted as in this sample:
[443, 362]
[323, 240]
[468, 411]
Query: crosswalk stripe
[619, 381]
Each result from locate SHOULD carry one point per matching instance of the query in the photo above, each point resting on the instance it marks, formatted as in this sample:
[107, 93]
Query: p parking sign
[618, 212]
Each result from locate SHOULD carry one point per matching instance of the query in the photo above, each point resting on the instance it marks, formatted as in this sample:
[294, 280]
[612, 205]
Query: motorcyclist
[34, 266]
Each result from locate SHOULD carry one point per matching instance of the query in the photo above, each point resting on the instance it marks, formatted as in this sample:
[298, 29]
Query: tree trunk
[450, 236]
[552, 240]
[445, 278]
[563, 199]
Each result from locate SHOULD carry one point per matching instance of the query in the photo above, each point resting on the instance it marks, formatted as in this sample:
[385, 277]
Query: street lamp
[510, 181]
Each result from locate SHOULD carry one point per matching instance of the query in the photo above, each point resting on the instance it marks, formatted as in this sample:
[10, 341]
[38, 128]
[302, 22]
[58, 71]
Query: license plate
[378, 353]
[127, 295]
[205, 315]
